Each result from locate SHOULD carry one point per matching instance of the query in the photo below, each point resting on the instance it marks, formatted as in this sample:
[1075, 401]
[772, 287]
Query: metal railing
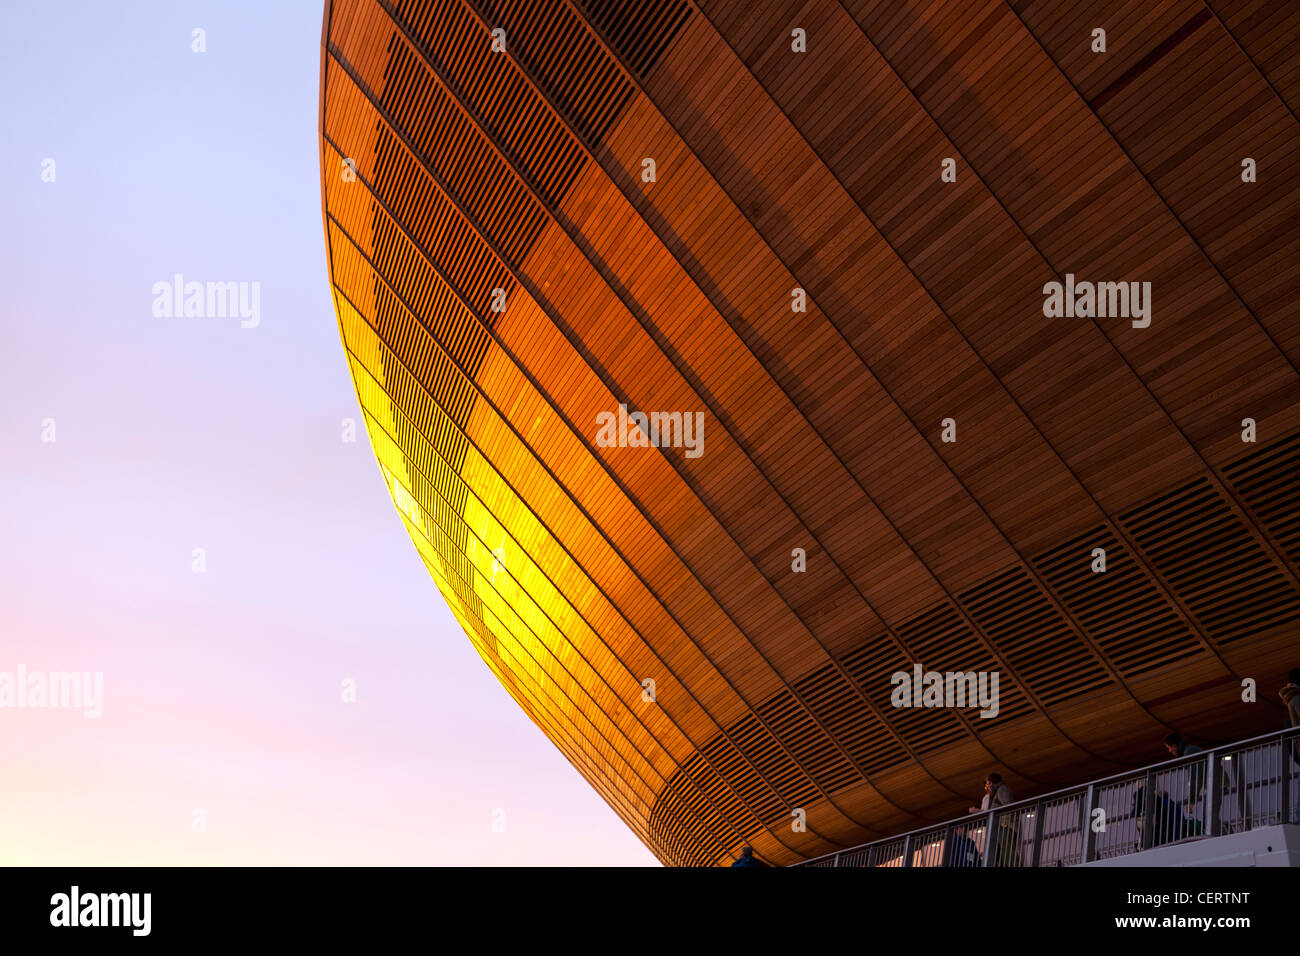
[1229, 789]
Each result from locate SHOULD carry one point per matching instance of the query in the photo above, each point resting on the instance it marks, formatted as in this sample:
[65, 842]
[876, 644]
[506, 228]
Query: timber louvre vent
[768, 757]
[833, 701]
[559, 52]
[1043, 648]
[1269, 482]
[497, 97]
[693, 832]
[463, 257]
[807, 743]
[762, 800]
[926, 730]
[942, 641]
[462, 158]
[688, 832]
[1217, 568]
[1135, 627]
[642, 31]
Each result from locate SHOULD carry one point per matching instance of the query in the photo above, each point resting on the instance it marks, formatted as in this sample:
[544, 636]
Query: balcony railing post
[907, 850]
[1239, 774]
[1036, 849]
[1089, 837]
[1213, 794]
[990, 837]
[835, 860]
[1285, 782]
[1148, 810]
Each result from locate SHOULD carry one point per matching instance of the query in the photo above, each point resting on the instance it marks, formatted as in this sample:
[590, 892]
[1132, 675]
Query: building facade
[729, 363]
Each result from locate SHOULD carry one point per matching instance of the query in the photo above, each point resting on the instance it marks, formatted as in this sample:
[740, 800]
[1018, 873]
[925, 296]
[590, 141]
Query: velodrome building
[726, 360]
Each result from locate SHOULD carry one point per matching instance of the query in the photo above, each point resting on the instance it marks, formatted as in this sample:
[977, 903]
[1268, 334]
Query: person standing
[998, 794]
[1178, 747]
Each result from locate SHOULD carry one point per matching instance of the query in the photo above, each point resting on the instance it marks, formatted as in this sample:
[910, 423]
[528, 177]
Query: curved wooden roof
[504, 273]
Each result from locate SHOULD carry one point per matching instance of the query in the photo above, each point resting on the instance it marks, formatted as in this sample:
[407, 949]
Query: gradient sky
[222, 690]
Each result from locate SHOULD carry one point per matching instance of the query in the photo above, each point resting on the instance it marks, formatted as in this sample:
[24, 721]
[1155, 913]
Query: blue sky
[221, 689]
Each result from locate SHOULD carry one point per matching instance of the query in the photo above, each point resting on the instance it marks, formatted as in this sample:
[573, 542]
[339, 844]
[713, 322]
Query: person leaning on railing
[998, 794]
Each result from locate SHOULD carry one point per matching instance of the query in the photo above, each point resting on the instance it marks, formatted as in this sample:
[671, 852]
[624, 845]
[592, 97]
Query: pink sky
[222, 689]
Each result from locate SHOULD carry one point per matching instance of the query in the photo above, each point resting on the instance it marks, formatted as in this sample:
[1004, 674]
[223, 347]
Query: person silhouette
[747, 858]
